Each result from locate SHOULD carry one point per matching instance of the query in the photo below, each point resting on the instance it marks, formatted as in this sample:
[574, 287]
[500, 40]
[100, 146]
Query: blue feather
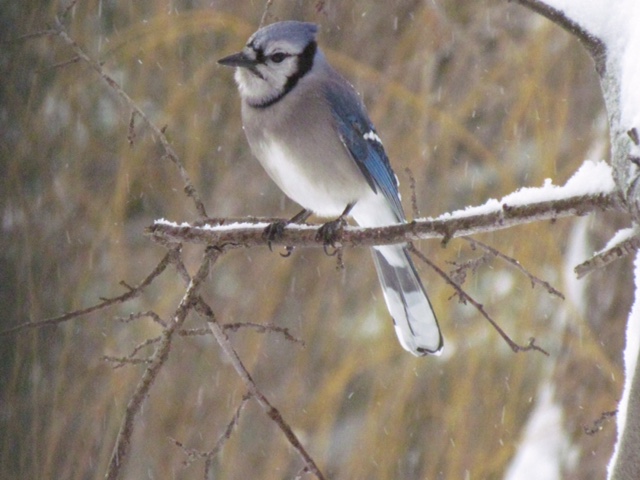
[361, 140]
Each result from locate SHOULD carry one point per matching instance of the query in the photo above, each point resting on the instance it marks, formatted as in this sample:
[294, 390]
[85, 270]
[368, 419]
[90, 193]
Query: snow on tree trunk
[609, 31]
[625, 463]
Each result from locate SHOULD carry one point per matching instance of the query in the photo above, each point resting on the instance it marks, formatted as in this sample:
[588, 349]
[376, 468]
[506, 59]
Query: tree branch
[156, 362]
[131, 293]
[512, 261]
[465, 297]
[593, 44]
[604, 258]
[270, 410]
[170, 153]
[248, 234]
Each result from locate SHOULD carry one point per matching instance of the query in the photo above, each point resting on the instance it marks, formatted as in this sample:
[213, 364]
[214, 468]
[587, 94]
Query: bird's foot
[275, 231]
[330, 232]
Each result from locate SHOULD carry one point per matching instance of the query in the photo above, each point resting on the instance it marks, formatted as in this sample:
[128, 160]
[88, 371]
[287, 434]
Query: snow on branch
[590, 189]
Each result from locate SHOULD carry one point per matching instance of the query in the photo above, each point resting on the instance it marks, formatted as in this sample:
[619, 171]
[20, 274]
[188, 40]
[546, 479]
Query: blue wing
[361, 140]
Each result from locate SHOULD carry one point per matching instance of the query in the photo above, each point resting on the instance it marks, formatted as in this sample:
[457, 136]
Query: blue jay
[310, 131]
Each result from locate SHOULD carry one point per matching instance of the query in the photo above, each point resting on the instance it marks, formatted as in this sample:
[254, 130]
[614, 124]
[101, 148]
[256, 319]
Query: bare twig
[512, 261]
[598, 424]
[266, 13]
[234, 327]
[594, 45]
[122, 361]
[131, 293]
[414, 199]
[148, 314]
[208, 465]
[223, 340]
[270, 410]
[131, 133]
[160, 356]
[148, 342]
[189, 189]
[68, 8]
[193, 454]
[63, 64]
[604, 258]
[29, 36]
[459, 273]
[304, 470]
[465, 297]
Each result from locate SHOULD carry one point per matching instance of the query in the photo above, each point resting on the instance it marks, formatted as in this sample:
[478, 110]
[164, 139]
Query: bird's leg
[275, 230]
[328, 232]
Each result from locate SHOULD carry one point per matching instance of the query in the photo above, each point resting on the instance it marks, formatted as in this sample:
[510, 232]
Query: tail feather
[415, 323]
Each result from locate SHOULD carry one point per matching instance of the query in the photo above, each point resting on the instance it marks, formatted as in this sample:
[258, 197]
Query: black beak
[238, 60]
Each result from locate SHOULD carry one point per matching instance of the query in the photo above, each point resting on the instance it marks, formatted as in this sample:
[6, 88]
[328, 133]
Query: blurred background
[476, 98]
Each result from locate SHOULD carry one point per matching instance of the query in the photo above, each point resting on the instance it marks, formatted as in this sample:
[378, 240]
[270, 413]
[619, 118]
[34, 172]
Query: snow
[219, 228]
[631, 351]
[590, 179]
[619, 237]
[616, 24]
[577, 250]
[227, 226]
[545, 449]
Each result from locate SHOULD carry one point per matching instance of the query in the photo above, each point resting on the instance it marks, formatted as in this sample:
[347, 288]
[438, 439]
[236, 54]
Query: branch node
[598, 424]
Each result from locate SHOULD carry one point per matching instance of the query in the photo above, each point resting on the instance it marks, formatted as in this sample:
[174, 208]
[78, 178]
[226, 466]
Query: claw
[330, 231]
[328, 253]
[288, 251]
[273, 232]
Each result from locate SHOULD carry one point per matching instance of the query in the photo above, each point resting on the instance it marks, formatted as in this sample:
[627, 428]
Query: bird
[310, 131]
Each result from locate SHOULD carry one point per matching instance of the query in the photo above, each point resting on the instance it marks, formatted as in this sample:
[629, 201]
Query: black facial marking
[305, 63]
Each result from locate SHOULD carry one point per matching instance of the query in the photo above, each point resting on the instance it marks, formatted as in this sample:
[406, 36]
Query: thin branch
[593, 44]
[189, 189]
[234, 327]
[223, 340]
[122, 361]
[131, 293]
[266, 13]
[68, 8]
[148, 314]
[598, 424]
[414, 199]
[194, 454]
[160, 356]
[63, 64]
[604, 258]
[512, 261]
[28, 36]
[459, 273]
[270, 410]
[465, 297]
[208, 465]
[446, 228]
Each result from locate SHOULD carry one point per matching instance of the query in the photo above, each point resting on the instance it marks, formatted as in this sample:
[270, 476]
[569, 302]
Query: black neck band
[305, 63]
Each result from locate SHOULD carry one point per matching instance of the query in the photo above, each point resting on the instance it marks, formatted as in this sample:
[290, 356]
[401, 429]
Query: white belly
[304, 185]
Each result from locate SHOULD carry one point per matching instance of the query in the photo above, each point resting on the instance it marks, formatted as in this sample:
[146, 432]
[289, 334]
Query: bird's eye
[278, 57]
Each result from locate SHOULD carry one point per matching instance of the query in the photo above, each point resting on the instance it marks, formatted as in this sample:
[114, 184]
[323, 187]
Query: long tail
[407, 301]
